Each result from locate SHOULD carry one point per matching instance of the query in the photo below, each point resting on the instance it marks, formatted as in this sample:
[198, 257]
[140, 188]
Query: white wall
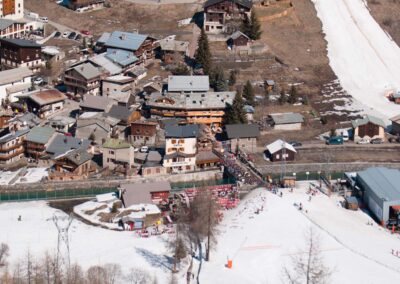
[19, 11]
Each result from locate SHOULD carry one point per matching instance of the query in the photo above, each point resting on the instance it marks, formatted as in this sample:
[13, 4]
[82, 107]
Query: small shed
[238, 39]
[288, 181]
[280, 150]
[351, 203]
[286, 121]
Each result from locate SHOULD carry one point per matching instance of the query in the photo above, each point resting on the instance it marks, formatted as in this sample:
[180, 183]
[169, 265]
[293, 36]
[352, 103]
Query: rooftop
[45, 97]
[279, 145]
[238, 34]
[136, 193]
[40, 134]
[96, 102]
[124, 40]
[105, 63]
[61, 144]
[121, 57]
[188, 83]
[368, 119]
[78, 156]
[234, 131]
[120, 112]
[14, 75]
[119, 79]
[116, 144]
[245, 3]
[384, 182]
[87, 70]
[287, 118]
[169, 44]
[21, 42]
[191, 101]
[181, 131]
[13, 135]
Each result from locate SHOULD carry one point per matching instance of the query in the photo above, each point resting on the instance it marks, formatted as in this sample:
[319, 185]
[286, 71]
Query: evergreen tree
[255, 31]
[293, 95]
[251, 26]
[218, 81]
[235, 113]
[181, 69]
[248, 93]
[232, 77]
[203, 53]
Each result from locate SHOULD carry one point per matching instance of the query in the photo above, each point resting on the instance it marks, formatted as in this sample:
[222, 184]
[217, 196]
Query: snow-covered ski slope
[363, 56]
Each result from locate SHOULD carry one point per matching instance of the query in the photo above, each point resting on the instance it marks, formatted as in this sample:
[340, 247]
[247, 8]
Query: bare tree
[96, 275]
[307, 266]
[138, 276]
[113, 273]
[74, 275]
[4, 253]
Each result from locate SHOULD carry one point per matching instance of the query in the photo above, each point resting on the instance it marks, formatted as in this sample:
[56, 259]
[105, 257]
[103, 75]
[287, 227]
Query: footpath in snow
[362, 55]
[260, 245]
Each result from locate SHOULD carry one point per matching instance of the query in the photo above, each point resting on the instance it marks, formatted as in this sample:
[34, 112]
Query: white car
[44, 19]
[363, 141]
[65, 34]
[38, 81]
[144, 149]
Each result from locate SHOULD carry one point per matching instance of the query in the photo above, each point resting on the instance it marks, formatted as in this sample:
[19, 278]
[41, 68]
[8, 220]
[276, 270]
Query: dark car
[57, 34]
[377, 141]
[72, 35]
[78, 37]
[295, 144]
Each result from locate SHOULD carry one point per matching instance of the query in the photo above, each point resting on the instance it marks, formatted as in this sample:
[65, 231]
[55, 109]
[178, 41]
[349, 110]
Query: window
[111, 152]
[158, 170]
[173, 141]
[277, 156]
[181, 141]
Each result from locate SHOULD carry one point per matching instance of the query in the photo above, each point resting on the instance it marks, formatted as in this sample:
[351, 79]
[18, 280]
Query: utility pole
[63, 224]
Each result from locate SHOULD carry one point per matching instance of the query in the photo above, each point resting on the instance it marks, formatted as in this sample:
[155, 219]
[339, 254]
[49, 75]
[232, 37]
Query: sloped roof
[188, 83]
[13, 135]
[121, 57]
[14, 75]
[120, 112]
[87, 71]
[5, 23]
[124, 40]
[238, 34]
[287, 118]
[61, 144]
[244, 3]
[96, 102]
[368, 119]
[104, 37]
[181, 131]
[396, 119]
[78, 156]
[45, 97]
[21, 42]
[168, 44]
[28, 118]
[136, 193]
[384, 182]
[40, 134]
[279, 145]
[234, 131]
[106, 64]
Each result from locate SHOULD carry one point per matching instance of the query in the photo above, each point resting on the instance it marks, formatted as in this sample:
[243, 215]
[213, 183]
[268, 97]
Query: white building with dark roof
[14, 82]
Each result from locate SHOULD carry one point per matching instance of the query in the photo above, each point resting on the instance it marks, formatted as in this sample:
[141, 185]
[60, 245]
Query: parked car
[44, 19]
[66, 34]
[394, 140]
[78, 37]
[345, 135]
[57, 34]
[376, 141]
[295, 144]
[38, 81]
[144, 149]
[72, 35]
[363, 141]
[85, 32]
[334, 140]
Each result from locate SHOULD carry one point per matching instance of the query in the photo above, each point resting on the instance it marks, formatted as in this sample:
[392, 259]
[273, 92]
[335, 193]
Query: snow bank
[364, 58]
[261, 244]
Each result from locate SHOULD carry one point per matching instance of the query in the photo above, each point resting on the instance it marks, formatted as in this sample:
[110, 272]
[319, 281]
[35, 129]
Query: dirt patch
[66, 206]
[107, 217]
[387, 14]
[122, 15]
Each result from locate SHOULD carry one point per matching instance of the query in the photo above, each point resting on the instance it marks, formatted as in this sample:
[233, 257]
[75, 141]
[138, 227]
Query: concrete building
[117, 153]
[286, 121]
[143, 132]
[74, 165]
[14, 82]
[381, 192]
[369, 127]
[83, 78]
[119, 88]
[242, 137]
[180, 148]
[11, 9]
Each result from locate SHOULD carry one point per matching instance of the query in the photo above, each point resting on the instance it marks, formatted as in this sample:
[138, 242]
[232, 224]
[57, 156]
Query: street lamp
[307, 173]
[319, 177]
